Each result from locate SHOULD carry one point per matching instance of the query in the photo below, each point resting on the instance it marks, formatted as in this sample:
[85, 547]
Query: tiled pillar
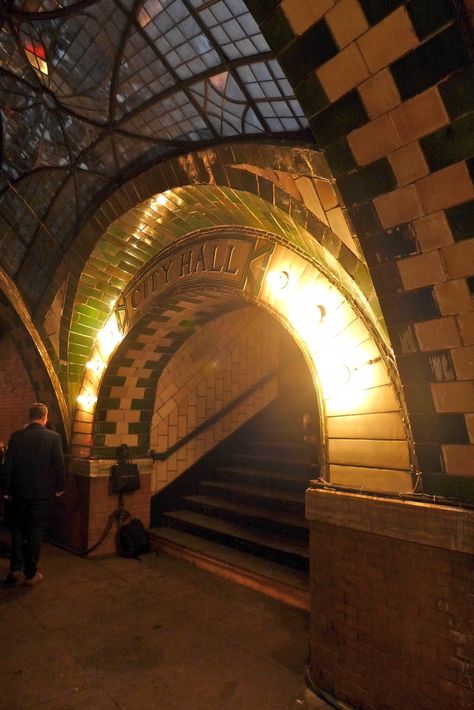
[81, 516]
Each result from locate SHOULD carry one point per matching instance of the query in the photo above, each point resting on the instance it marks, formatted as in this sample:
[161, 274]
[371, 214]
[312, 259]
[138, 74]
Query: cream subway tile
[459, 459]
[408, 163]
[463, 360]
[445, 188]
[388, 40]
[310, 197]
[398, 206]
[326, 193]
[172, 435]
[346, 21]
[343, 72]
[470, 426]
[438, 334]
[379, 94]
[302, 15]
[453, 396]
[466, 327]
[165, 410]
[419, 116]
[374, 140]
[122, 428]
[421, 270]
[339, 226]
[453, 297]
[433, 231]
[459, 259]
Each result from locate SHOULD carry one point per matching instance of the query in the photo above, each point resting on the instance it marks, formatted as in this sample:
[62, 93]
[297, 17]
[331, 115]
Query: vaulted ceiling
[94, 91]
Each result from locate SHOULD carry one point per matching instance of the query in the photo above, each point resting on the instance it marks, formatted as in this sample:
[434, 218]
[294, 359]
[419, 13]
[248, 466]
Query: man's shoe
[13, 577]
[31, 581]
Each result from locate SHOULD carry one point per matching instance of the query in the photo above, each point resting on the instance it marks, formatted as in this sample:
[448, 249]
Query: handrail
[163, 455]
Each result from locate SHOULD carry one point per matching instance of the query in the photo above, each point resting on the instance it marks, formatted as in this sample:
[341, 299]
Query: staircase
[240, 511]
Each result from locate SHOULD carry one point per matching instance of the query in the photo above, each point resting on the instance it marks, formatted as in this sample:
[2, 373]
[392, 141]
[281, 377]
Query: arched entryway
[365, 439]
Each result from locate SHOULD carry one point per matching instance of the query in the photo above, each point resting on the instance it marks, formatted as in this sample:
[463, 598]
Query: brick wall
[221, 361]
[16, 392]
[392, 622]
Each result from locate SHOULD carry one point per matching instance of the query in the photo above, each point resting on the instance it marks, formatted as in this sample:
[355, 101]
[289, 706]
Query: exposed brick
[453, 297]
[419, 116]
[379, 93]
[453, 396]
[388, 40]
[408, 163]
[445, 188]
[438, 334]
[346, 21]
[398, 206]
[459, 459]
[422, 270]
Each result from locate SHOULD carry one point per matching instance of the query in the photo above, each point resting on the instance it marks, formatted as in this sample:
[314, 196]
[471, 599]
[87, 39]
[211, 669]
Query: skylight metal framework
[93, 91]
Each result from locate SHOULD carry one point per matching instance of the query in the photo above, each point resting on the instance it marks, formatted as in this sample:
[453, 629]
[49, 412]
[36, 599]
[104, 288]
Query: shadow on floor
[157, 634]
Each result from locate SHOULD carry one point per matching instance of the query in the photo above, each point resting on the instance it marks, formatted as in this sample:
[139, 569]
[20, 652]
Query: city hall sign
[210, 261]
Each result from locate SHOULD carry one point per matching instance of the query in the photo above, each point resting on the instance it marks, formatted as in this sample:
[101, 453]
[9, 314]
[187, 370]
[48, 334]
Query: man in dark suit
[33, 474]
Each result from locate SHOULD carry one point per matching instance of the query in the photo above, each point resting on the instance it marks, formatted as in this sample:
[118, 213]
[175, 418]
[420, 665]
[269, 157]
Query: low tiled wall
[392, 604]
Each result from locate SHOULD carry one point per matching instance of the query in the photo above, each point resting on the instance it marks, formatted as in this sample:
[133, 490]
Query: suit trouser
[29, 520]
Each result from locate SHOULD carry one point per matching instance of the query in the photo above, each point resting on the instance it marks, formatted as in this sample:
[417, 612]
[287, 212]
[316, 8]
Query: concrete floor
[161, 634]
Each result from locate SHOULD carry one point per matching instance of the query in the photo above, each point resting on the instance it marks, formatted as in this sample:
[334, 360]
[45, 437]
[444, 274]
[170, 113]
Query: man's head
[39, 413]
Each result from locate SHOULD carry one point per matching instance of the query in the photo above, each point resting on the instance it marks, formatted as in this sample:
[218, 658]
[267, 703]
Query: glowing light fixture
[87, 399]
[320, 313]
[110, 336]
[95, 365]
[342, 374]
[279, 279]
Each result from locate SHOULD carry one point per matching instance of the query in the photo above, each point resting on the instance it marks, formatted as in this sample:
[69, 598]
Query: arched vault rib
[40, 360]
[140, 234]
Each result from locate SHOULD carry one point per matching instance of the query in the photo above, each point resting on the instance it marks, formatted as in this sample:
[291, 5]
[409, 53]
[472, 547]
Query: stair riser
[279, 556]
[262, 480]
[277, 448]
[273, 526]
[257, 498]
[275, 462]
[288, 478]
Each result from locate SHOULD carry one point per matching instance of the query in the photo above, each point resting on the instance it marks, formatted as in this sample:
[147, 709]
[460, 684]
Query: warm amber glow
[109, 337]
[87, 399]
[278, 279]
[95, 365]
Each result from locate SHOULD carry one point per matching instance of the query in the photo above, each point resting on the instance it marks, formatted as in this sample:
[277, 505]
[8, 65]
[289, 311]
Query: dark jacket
[34, 464]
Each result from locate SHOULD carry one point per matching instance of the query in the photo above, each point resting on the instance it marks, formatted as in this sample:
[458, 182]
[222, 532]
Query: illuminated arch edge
[360, 310]
[220, 167]
[16, 302]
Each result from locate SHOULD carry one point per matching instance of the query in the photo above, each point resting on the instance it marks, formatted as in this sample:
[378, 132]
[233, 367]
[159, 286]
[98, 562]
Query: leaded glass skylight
[92, 91]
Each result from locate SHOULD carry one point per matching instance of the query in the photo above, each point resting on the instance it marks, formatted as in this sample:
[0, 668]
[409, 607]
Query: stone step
[271, 479]
[275, 547]
[284, 583]
[246, 513]
[269, 499]
[277, 448]
[273, 460]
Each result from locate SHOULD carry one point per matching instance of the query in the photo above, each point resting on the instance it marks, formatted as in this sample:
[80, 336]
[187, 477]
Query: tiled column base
[391, 602]
[80, 517]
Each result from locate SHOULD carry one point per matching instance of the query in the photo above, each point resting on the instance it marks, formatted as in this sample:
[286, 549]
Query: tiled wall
[223, 360]
[388, 89]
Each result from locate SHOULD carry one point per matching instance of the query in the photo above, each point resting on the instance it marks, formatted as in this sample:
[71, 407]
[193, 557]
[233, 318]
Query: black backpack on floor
[133, 540]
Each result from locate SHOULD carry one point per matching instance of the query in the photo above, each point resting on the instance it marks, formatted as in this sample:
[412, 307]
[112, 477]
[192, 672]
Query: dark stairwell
[240, 509]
